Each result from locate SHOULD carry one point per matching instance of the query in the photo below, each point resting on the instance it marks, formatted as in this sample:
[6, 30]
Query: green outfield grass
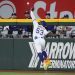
[23, 73]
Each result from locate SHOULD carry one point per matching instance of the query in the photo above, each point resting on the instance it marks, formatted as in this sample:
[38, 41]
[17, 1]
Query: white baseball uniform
[39, 33]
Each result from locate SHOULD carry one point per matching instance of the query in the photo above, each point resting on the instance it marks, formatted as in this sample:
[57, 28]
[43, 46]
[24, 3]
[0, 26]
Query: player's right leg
[39, 51]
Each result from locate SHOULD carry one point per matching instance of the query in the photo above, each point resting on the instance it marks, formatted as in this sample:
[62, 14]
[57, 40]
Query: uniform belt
[38, 37]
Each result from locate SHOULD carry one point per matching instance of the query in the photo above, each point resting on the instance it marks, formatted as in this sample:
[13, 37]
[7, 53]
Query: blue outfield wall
[20, 54]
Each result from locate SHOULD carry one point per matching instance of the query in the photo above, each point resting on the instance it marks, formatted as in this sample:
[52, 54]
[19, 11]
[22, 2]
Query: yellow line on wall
[29, 20]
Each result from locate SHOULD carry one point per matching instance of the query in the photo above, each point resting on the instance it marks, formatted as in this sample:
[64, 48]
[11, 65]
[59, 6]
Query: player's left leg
[42, 41]
[41, 56]
[46, 61]
[44, 54]
[39, 51]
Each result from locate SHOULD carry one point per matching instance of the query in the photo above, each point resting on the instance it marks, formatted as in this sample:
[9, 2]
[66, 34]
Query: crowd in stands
[25, 31]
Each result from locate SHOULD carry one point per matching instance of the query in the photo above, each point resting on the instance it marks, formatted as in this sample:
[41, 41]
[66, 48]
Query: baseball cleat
[46, 64]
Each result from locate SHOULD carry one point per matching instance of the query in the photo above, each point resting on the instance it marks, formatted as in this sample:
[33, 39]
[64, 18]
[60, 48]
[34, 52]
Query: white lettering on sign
[61, 54]
[53, 12]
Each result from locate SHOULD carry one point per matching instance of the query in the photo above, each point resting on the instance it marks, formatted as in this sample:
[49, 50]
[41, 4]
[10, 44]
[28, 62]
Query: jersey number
[39, 31]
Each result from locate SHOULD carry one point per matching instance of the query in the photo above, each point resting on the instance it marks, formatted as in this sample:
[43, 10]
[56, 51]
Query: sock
[40, 56]
[44, 54]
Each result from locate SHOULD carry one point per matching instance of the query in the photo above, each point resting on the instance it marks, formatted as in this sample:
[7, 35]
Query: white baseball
[28, 3]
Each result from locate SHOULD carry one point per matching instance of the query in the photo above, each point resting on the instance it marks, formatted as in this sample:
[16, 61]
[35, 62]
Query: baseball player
[39, 32]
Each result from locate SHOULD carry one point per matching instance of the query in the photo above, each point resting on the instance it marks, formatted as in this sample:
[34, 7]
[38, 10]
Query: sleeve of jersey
[45, 32]
[35, 23]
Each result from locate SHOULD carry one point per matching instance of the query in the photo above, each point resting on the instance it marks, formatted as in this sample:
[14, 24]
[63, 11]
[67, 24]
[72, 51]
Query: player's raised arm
[32, 15]
[33, 18]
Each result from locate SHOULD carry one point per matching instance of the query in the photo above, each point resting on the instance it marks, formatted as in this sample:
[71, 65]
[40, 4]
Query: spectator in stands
[47, 15]
[66, 31]
[30, 30]
[27, 29]
[27, 15]
[51, 28]
[61, 30]
[70, 30]
[4, 31]
[13, 16]
[20, 31]
[13, 29]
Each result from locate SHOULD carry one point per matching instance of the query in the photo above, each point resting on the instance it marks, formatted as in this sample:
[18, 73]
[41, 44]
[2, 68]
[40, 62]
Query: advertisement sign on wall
[61, 54]
[56, 8]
